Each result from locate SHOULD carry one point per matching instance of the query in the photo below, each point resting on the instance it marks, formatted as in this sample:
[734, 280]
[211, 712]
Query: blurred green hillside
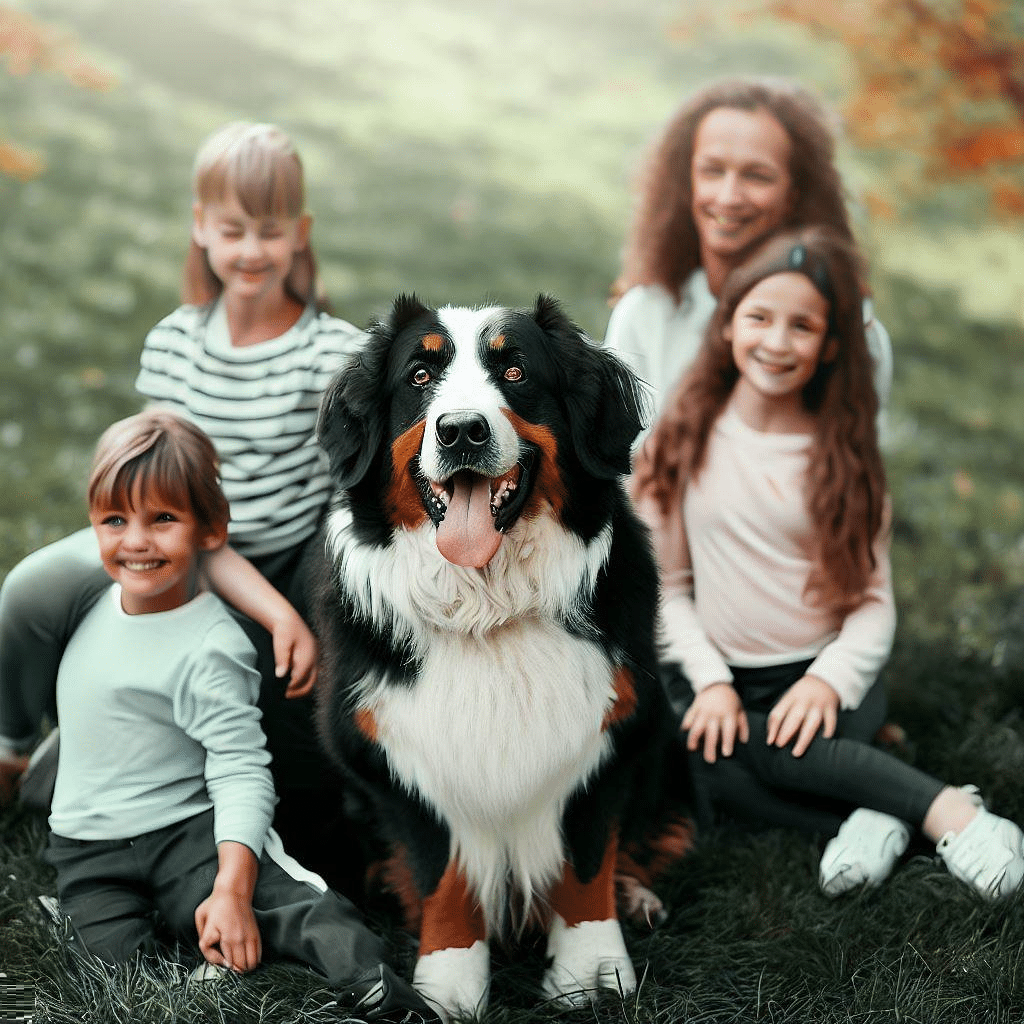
[472, 150]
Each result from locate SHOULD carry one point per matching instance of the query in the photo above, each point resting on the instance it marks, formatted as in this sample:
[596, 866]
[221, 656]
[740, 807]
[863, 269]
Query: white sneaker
[988, 854]
[207, 972]
[863, 852]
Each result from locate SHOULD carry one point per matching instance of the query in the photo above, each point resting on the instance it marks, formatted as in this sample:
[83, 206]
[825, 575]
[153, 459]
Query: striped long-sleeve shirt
[259, 405]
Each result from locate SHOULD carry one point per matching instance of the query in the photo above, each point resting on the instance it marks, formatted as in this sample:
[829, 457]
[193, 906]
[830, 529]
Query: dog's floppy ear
[603, 400]
[348, 426]
[353, 409]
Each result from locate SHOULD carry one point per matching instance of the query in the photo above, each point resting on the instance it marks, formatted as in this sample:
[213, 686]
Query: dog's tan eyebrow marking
[432, 342]
[497, 342]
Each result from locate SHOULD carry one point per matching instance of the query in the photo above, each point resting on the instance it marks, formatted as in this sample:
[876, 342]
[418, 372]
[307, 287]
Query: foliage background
[484, 149]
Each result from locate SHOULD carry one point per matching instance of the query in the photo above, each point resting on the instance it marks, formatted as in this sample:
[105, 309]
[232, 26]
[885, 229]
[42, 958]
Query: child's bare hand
[295, 654]
[228, 933]
[808, 706]
[716, 714]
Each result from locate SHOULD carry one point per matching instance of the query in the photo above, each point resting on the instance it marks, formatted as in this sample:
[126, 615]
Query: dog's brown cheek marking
[403, 504]
[497, 342]
[432, 342]
[366, 723]
[625, 698]
[452, 919]
[549, 485]
[575, 901]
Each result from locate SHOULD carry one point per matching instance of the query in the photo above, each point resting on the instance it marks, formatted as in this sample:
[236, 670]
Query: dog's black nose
[463, 429]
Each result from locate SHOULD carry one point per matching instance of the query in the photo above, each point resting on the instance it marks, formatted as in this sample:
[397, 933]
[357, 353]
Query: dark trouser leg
[730, 790]
[42, 600]
[101, 889]
[842, 769]
[310, 815]
[300, 920]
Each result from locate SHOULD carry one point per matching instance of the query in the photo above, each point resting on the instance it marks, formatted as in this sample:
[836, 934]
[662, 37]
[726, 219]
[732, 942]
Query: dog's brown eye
[514, 373]
[420, 376]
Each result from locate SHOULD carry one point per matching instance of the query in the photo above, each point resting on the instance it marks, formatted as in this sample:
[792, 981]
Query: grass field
[484, 150]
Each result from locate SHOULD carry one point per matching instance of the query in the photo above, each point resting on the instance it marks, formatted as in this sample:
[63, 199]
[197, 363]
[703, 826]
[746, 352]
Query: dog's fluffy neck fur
[541, 570]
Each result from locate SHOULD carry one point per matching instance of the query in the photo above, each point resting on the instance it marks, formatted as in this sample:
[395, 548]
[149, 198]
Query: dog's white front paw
[587, 957]
[455, 981]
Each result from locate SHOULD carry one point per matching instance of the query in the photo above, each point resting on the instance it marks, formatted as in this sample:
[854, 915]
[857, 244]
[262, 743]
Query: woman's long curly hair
[845, 488]
[662, 246]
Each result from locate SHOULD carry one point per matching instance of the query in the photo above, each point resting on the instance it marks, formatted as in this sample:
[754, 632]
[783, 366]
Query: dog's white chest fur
[496, 735]
[504, 718]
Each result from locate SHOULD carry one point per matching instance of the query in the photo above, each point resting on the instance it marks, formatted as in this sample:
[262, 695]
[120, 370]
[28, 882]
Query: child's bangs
[158, 473]
[266, 182]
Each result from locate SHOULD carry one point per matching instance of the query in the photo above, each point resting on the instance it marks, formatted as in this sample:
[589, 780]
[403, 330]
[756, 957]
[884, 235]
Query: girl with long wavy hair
[740, 160]
[765, 491]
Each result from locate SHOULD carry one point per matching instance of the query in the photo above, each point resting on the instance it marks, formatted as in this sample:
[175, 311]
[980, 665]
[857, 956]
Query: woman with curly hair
[764, 488]
[740, 160]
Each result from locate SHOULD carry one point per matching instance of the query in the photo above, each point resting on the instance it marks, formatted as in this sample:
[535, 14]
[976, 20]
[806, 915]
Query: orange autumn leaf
[19, 163]
[1008, 199]
[984, 146]
[27, 45]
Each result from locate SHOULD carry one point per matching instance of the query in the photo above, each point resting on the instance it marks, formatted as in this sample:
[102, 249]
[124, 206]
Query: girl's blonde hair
[164, 455]
[258, 165]
[663, 246]
[845, 488]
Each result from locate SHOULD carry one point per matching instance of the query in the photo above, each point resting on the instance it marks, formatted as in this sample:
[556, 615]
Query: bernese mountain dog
[486, 610]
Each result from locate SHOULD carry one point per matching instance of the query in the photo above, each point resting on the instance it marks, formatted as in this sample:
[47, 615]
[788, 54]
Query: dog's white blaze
[530, 702]
[465, 386]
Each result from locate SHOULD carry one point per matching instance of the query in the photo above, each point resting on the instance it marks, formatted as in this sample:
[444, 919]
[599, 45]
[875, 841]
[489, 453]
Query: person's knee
[41, 594]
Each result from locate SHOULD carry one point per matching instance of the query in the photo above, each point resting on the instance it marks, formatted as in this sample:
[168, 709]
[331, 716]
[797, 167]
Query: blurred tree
[937, 84]
[27, 45]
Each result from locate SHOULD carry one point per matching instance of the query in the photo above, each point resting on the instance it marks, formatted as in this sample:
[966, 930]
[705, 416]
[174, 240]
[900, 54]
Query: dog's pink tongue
[467, 535]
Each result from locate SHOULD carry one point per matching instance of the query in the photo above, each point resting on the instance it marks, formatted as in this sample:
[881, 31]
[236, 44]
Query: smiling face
[742, 185]
[251, 255]
[151, 548]
[778, 336]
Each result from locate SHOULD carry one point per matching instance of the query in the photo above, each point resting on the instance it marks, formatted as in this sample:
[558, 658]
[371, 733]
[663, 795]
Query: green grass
[484, 150]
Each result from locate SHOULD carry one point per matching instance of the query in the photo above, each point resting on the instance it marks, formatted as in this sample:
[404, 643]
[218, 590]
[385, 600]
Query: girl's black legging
[761, 786]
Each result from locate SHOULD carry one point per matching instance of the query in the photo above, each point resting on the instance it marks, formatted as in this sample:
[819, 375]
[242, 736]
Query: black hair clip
[811, 266]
